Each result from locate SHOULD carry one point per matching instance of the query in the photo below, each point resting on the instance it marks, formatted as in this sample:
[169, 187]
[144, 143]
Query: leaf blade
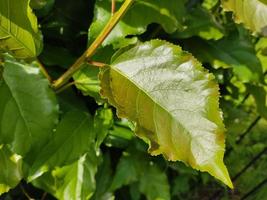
[173, 101]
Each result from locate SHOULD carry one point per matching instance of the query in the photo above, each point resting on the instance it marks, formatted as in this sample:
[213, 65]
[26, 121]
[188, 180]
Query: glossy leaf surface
[173, 101]
[28, 108]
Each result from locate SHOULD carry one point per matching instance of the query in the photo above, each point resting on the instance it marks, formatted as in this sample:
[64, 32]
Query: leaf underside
[173, 101]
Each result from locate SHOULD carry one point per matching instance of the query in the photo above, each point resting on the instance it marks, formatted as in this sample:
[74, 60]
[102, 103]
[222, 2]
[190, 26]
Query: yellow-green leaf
[19, 29]
[173, 102]
[252, 13]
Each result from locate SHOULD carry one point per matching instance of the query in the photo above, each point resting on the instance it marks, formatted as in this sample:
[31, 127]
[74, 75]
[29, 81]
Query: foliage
[128, 99]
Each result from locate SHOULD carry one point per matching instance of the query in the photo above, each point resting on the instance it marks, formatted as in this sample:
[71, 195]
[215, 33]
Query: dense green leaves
[68, 141]
[72, 138]
[222, 53]
[135, 168]
[19, 29]
[253, 13]
[173, 101]
[28, 108]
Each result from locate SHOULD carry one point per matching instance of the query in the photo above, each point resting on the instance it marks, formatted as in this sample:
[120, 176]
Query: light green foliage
[87, 81]
[68, 182]
[156, 85]
[11, 172]
[252, 13]
[19, 29]
[28, 108]
[167, 13]
[103, 121]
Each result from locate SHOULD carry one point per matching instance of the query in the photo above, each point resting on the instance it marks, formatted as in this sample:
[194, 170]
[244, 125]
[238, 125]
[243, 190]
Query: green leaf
[173, 101]
[103, 121]
[222, 53]
[128, 171]
[134, 167]
[252, 13]
[154, 184]
[73, 137]
[75, 181]
[86, 80]
[168, 14]
[200, 22]
[10, 169]
[78, 179]
[259, 94]
[28, 108]
[19, 29]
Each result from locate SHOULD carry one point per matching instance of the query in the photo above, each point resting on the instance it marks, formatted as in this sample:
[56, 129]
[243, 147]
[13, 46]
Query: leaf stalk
[93, 47]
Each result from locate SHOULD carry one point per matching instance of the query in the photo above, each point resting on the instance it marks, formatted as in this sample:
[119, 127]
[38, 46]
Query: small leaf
[252, 13]
[28, 108]
[103, 121]
[173, 101]
[19, 29]
[72, 138]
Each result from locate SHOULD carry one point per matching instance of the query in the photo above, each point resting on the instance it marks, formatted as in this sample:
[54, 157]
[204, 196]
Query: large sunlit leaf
[28, 108]
[72, 138]
[173, 101]
[168, 14]
[19, 29]
[10, 169]
[252, 13]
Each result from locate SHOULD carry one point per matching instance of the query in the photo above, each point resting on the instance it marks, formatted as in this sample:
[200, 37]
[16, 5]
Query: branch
[93, 47]
[260, 185]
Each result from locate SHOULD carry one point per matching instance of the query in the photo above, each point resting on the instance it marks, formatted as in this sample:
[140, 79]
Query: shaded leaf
[73, 137]
[19, 29]
[10, 168]
[103, 121]
[222, 53]
[28, 108]
[252, 13]
[199, 21]
[173, 101]
[136, 168]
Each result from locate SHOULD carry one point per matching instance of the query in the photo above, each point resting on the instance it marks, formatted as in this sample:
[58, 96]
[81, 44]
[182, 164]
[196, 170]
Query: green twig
[92, 49]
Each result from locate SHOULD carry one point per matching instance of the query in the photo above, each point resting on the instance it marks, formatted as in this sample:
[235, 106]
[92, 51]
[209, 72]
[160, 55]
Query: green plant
[83, 132]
